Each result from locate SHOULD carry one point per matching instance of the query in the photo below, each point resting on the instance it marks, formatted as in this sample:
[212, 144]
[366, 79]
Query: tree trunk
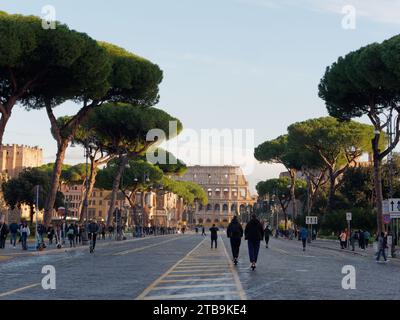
[332, 187]
[378, 188]
[51, 197]
[3, 123]
[88, 192]
[32, 212]
[116, 184]
[292, 192]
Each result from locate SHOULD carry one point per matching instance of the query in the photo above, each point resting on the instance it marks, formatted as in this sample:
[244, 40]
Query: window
[217, 207]
[209, 207]
[94, 202]
[225, 207]
[100, 202]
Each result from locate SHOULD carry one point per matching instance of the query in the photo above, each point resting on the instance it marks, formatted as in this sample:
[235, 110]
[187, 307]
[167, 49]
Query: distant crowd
[62, 233]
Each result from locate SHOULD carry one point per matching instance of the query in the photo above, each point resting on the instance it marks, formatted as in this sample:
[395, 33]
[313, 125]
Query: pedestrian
[103, 231]
[367, 237]
[203, 232]
[93, 229]
[235, 234]
[343, 240]
[304, 237]
[13, 233]
[254, 234]
[25, 233]
[50, 234]
[3, 234]
[267, 235]
[214, 236]
[382, 246]
[110, 231]
[353, 238]
[361, 239]
[71, 235]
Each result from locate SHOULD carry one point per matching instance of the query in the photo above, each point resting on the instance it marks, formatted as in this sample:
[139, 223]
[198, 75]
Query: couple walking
[254, 234]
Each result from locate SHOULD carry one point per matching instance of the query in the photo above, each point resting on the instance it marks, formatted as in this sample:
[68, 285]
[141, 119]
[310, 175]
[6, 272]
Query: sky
[237, 65]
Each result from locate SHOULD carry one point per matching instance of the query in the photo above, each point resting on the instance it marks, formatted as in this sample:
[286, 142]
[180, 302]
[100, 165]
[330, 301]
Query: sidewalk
[9, 252]
[335, 245]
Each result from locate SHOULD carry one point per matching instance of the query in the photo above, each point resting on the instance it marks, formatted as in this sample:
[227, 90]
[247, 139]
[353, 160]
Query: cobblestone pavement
[184, 267]
[286, 272]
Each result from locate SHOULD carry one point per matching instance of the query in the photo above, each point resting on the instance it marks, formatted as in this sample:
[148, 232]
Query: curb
[80, 248]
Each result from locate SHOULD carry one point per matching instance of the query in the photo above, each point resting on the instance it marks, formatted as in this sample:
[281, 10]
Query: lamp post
[145, 180]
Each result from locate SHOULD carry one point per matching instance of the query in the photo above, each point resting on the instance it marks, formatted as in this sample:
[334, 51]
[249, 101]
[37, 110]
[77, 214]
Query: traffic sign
[349, 216]
[386, 218]
[394, 205]
[385, 206]
[311, 220]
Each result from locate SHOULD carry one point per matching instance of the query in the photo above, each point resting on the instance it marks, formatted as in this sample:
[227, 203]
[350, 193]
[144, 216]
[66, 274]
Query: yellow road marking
[5, 258]
[196, 286]
[239, 287]
[196, 270]
[195, 295]
[198, 275]
[9, 293]
[155, 283]
[188, 270]
[197, 280]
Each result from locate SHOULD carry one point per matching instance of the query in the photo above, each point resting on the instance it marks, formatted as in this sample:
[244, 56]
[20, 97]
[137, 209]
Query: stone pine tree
[104, 73]
[339, 145]
[278, 189]
[126, 135]
[279, 151]
[32, 58]
[366, 82]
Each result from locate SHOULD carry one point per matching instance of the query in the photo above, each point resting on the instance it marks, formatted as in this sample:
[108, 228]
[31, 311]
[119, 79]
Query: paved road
[184, 267]
[286, 272]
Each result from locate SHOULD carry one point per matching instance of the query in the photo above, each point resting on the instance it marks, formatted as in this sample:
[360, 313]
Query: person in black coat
[3, 234]
[235, 234]
[214, 236]
[267, 235]
[254, 234]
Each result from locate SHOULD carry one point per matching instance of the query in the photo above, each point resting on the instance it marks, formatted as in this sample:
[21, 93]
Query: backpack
[70, 232]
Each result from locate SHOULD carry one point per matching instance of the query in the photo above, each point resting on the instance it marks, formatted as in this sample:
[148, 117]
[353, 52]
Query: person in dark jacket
[235, 234]
[93, 230]
[214, 236]
[13, 232]
[267, 235]
[382, 246]
[254, 234]
[3, 234]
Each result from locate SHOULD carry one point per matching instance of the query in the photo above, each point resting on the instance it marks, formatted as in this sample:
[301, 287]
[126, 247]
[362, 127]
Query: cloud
[383, 11]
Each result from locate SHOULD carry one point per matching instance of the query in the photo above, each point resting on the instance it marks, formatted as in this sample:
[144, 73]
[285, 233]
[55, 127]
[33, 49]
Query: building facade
[228, 194]
[15, 158]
